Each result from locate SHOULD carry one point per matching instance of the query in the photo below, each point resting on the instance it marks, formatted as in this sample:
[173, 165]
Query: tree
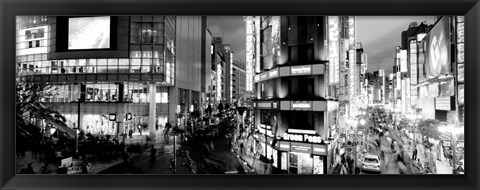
[429, 128]
[404, 123]
[29, 97]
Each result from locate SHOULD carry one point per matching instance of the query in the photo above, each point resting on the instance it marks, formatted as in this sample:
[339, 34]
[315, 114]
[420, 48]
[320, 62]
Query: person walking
[153, 153]
[415, 152]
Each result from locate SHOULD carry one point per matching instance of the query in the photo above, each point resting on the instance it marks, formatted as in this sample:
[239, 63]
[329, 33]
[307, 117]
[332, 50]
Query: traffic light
[129, 116]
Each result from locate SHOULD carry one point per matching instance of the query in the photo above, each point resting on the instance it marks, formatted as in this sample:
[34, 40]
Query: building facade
[108, 68]
[238, 76]
[295, 107]
[222, 59]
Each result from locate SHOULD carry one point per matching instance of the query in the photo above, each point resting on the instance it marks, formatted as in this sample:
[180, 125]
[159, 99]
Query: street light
[454, 131]
[362, 122]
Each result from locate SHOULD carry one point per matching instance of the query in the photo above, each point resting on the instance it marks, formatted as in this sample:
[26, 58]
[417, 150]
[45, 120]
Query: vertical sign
[351, 80]
[413, 62]
[250, 33]
[404, 98]
[403, 61]
[333, 37]
[407, 92]
[351, 30]
[460, 67]
[257, 24]
[219, 81]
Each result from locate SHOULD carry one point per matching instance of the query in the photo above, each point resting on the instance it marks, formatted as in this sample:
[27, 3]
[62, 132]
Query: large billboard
[438, 49]
[89, 33]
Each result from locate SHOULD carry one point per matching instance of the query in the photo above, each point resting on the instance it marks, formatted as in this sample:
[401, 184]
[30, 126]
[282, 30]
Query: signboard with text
[334, 37]
[438, 49]
[301, 70]
[301, 105]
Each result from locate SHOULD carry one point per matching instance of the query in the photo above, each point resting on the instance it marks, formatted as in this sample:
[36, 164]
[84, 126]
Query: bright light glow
[362, 122]
[301, 105]
[286, 146]
[302, 131]
[457, 130]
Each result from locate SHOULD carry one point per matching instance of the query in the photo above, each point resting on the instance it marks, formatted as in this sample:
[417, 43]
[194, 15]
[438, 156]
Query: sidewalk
[442, 167]
[257, 164]
[51, 168]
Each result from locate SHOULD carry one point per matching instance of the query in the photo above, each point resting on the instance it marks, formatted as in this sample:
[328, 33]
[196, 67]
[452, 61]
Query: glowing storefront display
[318, 165]
[334, 37]
[301, 163]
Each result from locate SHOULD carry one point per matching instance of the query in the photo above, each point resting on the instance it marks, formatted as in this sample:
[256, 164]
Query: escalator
[56, 123]
[61, 126]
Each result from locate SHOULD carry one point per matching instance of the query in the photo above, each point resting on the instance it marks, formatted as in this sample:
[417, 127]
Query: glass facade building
[134, 71]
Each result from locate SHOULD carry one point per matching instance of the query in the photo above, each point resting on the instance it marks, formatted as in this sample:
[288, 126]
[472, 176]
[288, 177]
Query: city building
[443, 73]
[208, 68]
[377, 87]
[114, 73]
[238, 83]
[295, 102]
[222, 59]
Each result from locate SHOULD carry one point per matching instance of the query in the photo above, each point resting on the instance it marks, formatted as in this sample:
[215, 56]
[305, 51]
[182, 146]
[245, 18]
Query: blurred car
[371, 163]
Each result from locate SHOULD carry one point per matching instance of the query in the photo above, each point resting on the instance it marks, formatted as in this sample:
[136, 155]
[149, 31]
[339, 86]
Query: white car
[371, 163]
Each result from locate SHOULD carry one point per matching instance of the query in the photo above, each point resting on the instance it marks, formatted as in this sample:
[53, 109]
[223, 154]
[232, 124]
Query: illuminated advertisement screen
[89, 33]
[438, 49]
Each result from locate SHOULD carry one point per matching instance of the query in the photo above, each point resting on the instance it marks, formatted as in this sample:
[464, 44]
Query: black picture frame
[10, 8]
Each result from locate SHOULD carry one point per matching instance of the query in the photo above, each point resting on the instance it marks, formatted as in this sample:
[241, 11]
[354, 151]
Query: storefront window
[91, 65]
[301, 163]
[318, 165]
[136, 63]
[64, 93]
[284, 159]
[146, 65]
[112, 65]
[102, 92]
[136, 93]
[98, 124]
[123, 66]
[102, 65]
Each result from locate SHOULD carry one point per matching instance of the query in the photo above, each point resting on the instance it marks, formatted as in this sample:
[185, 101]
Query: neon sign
[302, 138]
[300, 70]
[301, 105]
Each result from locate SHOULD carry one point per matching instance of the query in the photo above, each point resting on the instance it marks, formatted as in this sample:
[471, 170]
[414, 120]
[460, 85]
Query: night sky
[232, 28]
[378, 34]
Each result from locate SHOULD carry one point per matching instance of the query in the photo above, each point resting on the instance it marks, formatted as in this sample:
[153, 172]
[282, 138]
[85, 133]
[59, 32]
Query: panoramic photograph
[308, 95]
